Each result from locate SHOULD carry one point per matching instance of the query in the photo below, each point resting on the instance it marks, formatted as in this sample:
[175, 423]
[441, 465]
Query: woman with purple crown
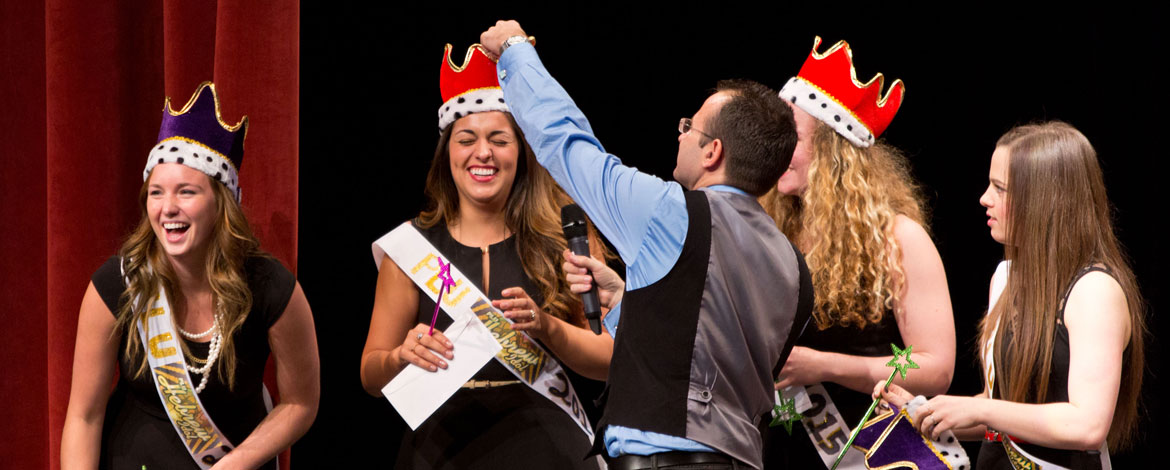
[187, 313]
[1062, 343]
[493, 214]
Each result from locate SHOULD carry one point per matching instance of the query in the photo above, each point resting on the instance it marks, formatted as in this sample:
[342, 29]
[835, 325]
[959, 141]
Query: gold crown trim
[838, 103]
[853, 71]
[218, 115]
[201, 144]
[467, 57]
[473, 90]
[902, 414]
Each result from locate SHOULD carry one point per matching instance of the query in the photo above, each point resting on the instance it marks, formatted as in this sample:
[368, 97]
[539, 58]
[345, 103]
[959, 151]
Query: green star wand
[785, 414]
[899, 368]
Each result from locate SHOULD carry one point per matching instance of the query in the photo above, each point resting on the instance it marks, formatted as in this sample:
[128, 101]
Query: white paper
[416, 393]
[803, 402]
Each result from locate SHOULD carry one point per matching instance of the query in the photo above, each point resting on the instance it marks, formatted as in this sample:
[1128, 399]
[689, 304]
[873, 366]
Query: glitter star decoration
[448, 283]
[785, 414]
[445, 276]
[902, 366]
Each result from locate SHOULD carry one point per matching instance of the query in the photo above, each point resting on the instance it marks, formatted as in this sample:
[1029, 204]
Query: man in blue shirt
[712, 284]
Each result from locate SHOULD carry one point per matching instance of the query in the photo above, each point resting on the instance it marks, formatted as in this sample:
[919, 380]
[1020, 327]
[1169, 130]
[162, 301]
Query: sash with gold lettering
[825, 426]
[203, 440]
[521, 355]
[889, 440]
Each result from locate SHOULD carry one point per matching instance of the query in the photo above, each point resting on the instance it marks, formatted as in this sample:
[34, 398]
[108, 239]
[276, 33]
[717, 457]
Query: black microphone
[573, 222]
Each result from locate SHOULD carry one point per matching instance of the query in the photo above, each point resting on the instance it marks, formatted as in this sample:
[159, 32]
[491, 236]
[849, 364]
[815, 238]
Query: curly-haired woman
[849, 203]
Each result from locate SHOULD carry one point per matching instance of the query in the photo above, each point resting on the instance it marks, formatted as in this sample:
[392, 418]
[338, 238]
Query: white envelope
[416, 393]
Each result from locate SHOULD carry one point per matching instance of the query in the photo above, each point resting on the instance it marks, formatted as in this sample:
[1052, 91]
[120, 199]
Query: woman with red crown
[493, 214]
[849, 203]
[1062, 343]
[192, 268]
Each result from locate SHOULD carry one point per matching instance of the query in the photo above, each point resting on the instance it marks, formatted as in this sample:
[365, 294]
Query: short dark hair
[758, 135]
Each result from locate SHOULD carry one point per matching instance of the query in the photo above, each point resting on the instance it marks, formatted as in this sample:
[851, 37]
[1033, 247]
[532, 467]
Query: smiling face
[181, 206]
[794, 181]
[995, 197]
[484, 150]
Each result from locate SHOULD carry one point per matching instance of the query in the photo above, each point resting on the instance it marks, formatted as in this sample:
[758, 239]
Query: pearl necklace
[189, 335]
[212, 353]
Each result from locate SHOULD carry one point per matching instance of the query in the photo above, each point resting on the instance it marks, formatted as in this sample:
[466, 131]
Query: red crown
[468, 88]
[827, 87]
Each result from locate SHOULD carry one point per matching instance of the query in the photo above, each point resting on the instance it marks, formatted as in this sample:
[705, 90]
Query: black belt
[670, 459]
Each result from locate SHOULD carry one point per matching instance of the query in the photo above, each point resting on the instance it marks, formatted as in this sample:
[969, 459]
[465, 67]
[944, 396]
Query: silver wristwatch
[512, 41]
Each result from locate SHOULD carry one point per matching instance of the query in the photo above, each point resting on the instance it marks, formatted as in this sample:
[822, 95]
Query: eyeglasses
[686, 125]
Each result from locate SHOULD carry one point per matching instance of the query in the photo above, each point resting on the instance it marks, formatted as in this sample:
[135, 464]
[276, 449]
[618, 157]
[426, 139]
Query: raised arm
[564, 144]
[293, 340]
[925, 320]
[94, 358]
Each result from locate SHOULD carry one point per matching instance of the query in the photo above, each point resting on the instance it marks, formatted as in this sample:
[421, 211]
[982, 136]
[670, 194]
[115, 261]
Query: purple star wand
[448, 283]
[899, 368]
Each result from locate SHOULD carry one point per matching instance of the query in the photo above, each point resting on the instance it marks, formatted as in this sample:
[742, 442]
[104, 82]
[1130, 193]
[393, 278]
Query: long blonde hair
[532, 213]
[844, 224]
[1060, 223]
[146, 268]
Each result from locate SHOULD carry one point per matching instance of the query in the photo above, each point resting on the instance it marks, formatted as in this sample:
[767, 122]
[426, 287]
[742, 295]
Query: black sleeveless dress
[136, 431]
[992, 454]
[509, 426]
[782, 451]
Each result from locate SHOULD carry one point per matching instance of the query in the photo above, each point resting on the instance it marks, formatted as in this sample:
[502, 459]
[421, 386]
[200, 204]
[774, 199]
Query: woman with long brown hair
[192, 268]
[1062, 343]
[493, 213]
[849, 203]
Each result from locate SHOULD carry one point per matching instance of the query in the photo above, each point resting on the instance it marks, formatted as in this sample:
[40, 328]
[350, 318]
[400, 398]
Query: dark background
[369, 97]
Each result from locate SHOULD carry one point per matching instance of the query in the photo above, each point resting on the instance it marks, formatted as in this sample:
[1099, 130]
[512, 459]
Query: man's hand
[494, 37]
[581, 271]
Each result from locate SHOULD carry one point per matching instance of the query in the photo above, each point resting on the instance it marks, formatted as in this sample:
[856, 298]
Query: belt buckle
[483, 384]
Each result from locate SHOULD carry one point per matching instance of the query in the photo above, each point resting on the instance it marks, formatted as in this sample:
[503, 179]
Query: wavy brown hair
[844, 224]
[532, 213]
[146, 268]
[1060, 223]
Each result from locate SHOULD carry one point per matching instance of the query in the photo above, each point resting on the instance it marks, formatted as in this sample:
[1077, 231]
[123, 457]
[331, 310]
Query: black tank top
[871, 341]
[506, 271]
[992, 454]
[136, 430]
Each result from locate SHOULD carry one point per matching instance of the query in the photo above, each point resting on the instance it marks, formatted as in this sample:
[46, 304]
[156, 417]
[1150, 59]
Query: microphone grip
[592, 302]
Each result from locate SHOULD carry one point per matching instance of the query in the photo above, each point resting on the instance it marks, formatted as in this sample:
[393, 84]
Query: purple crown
[198, 137]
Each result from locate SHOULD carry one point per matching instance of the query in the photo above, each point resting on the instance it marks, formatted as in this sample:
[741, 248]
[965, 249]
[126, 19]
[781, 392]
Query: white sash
[521, 355]
[828, 430]
[998, 284]
[825, 426]
[200, 436]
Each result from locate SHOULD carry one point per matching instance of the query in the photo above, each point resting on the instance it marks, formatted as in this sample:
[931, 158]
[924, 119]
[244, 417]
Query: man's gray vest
[696, 352]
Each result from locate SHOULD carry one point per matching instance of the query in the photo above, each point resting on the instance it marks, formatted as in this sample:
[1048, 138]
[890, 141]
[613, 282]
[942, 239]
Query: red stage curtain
[24, 390]
[81, 88]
